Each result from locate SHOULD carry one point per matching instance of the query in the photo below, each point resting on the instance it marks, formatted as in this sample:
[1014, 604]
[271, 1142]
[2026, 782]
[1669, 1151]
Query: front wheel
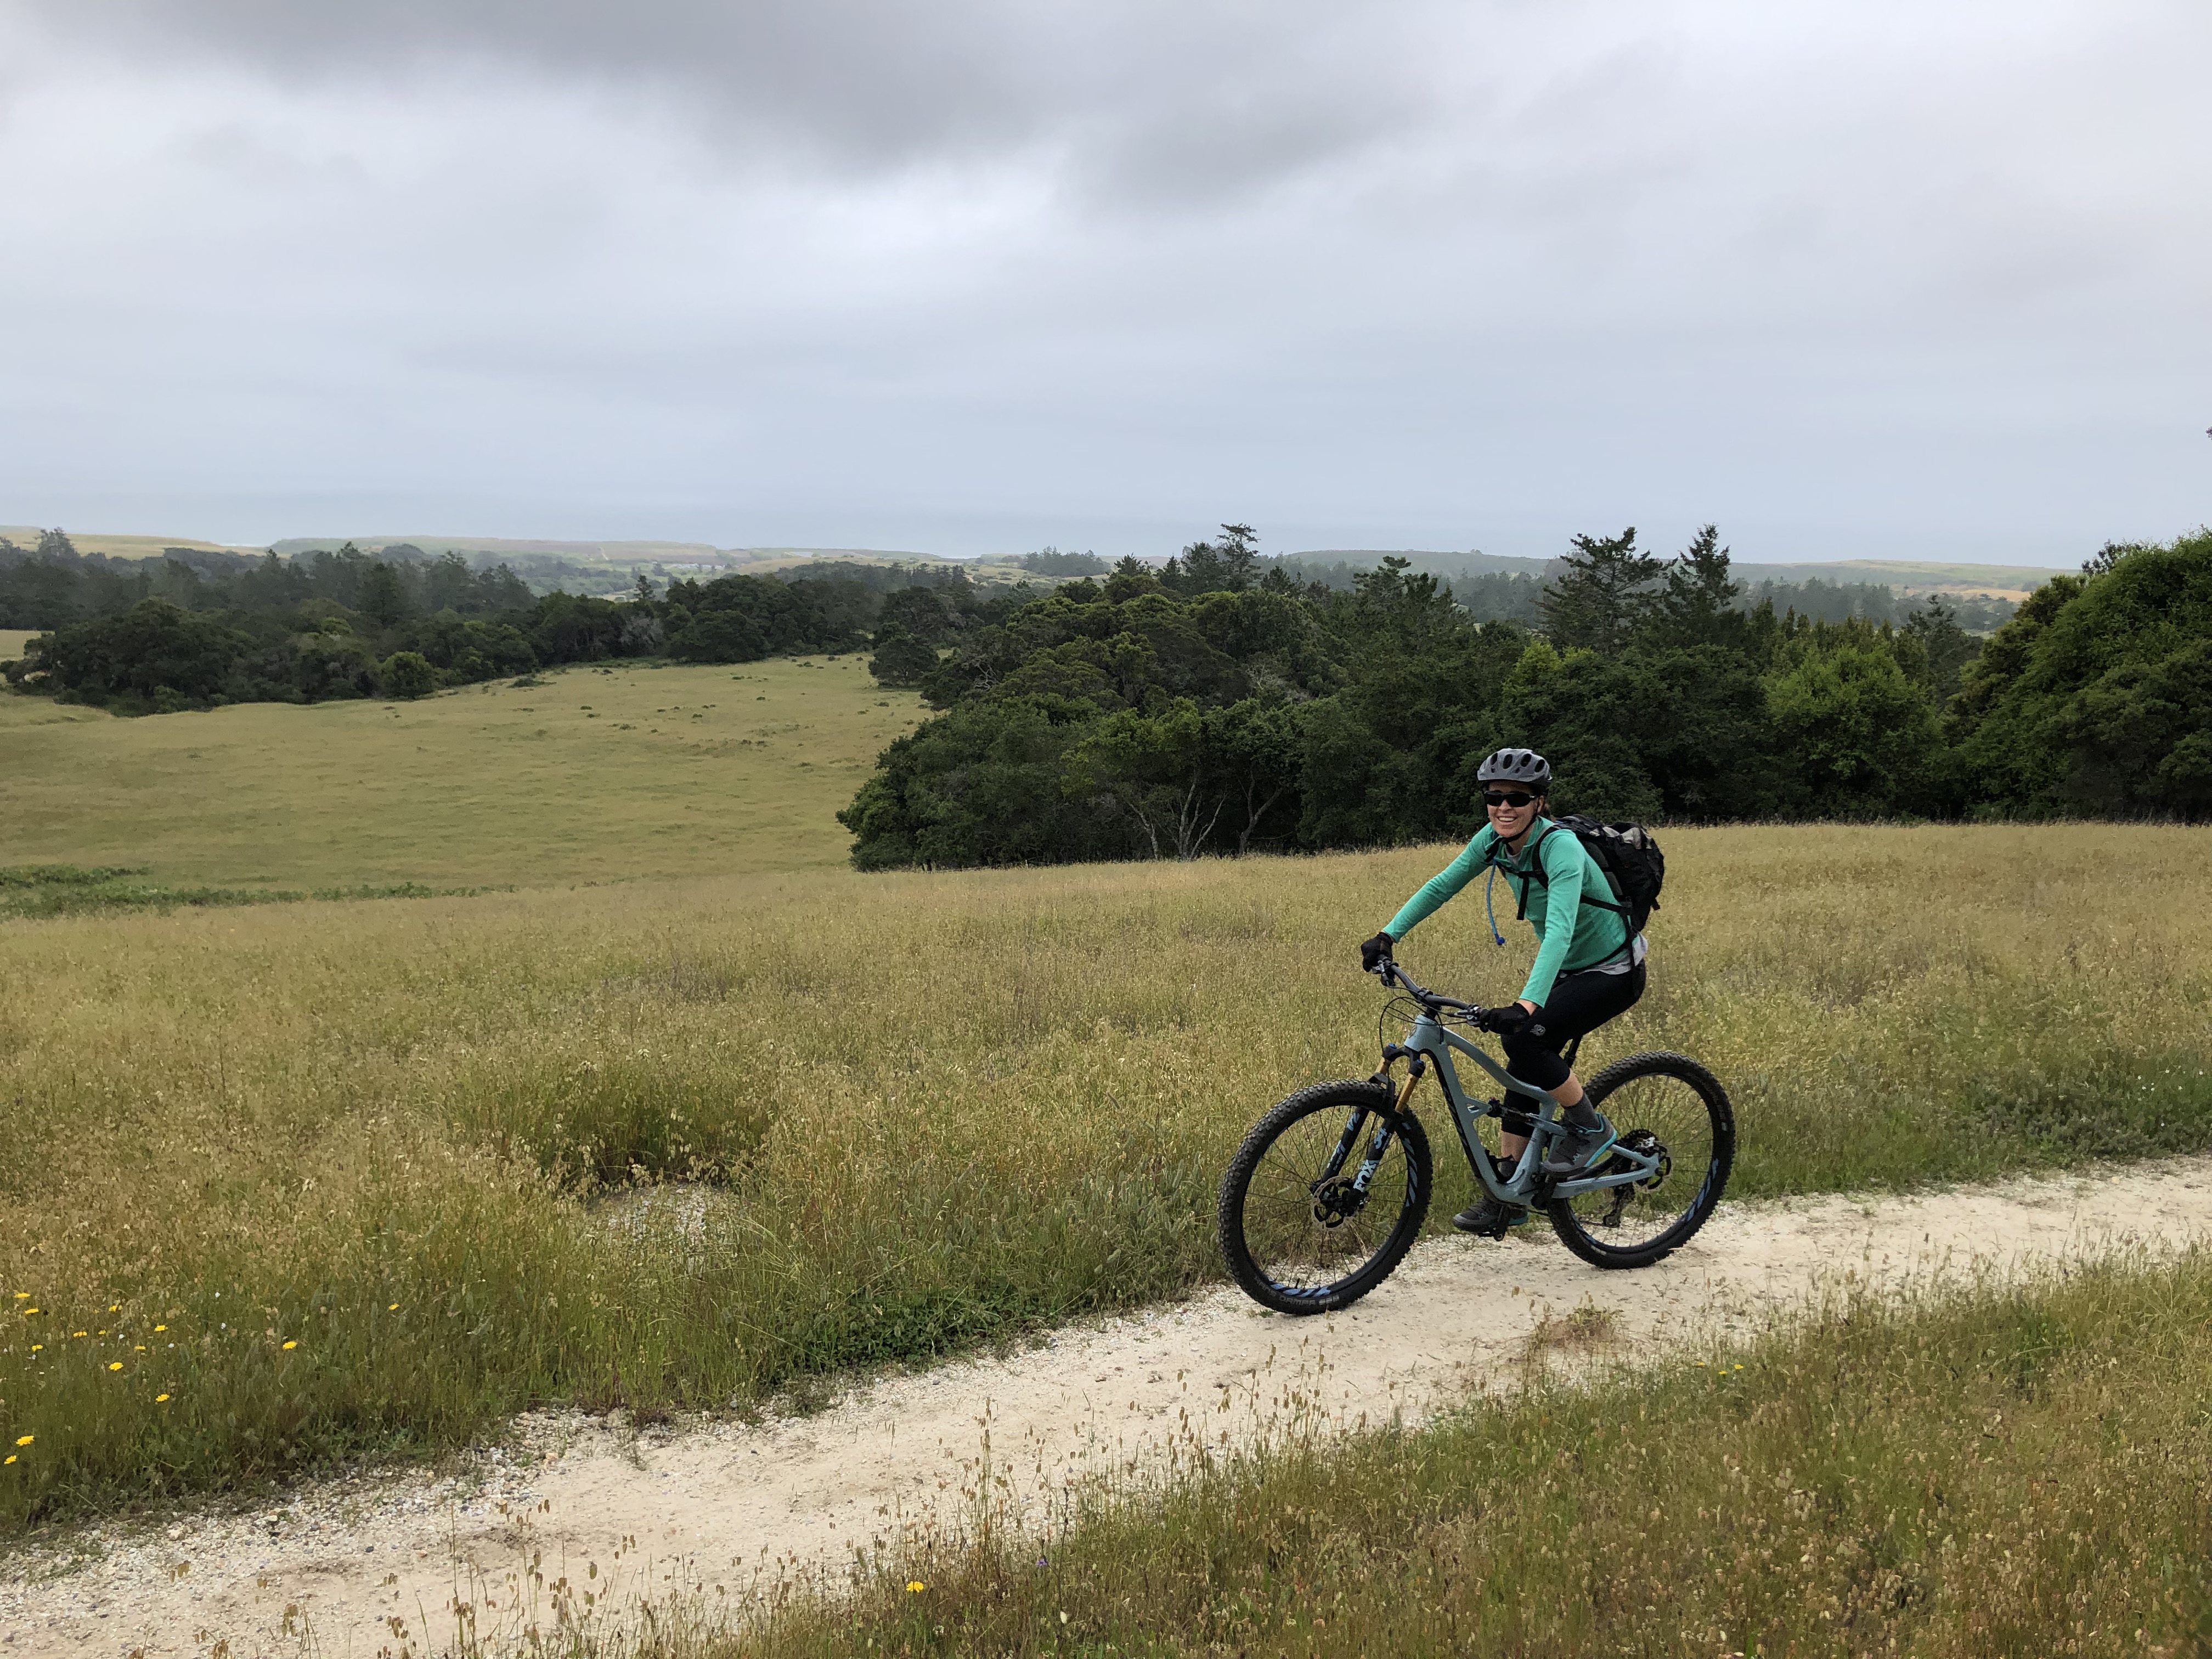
[1666, 1106]
[1324, 1198]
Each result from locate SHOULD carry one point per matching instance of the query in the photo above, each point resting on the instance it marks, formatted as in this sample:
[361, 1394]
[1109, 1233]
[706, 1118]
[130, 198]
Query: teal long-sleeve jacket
[1571, 935]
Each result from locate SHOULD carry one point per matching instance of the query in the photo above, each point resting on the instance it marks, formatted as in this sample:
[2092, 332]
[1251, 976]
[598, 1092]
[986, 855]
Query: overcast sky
[1853, 277]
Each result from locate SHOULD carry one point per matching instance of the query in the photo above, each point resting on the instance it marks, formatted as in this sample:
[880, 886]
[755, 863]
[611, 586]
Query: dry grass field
[117, 545]
[595, 775]
[299, 1182]
[2023, 1474]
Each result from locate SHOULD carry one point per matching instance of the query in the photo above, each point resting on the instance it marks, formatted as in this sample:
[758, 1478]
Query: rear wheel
[1666, 1106]
[1297, 1230]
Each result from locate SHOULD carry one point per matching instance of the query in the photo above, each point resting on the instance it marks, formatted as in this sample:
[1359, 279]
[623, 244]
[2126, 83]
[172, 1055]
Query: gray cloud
[1184, 100]
[1854, 277]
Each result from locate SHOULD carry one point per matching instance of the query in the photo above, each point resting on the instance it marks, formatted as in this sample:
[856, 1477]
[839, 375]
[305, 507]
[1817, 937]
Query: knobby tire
[1337, 1100]
[1712, 1181]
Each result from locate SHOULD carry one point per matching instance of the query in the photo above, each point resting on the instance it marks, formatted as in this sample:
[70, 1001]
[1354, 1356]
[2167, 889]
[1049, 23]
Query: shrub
[718, 637]
[409, 674]
[901, 660]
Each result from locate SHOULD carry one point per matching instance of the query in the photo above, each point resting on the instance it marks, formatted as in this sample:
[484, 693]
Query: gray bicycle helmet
[1521, 766]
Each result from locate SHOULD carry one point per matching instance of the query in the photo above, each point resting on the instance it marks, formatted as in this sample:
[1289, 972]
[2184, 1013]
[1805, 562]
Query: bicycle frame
[1431, 1041]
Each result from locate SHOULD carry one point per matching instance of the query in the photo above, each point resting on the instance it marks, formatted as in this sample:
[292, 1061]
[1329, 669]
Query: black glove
[1509, 1021]
[1375, 952]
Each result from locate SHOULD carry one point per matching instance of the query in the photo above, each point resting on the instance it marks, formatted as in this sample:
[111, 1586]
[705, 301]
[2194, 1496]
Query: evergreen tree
[383, 599]
[1239, 552]
[1603, 594]
[1229, 565]
[1947, 647]
[1698, 604]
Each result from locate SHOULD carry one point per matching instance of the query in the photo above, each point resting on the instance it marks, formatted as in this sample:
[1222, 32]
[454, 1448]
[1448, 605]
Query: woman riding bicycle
[1588, 968]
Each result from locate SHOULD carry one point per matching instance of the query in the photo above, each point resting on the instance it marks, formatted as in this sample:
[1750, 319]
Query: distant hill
[1905, 576]
[625, 553]
[1472, 563]
[612, 566]
[1911, 576]
[120, 547]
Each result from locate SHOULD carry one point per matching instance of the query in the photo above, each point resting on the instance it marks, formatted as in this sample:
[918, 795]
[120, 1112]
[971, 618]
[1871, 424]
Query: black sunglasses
[1506, 797]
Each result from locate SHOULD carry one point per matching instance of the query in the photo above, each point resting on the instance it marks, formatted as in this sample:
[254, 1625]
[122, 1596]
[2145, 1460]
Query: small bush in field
[408, 674]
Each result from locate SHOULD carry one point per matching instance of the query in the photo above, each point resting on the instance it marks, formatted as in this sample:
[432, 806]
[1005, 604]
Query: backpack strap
[1537, 871]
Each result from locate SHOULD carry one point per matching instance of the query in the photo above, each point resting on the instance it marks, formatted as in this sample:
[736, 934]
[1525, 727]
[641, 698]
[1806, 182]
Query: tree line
[198, 630]
[1217, 705]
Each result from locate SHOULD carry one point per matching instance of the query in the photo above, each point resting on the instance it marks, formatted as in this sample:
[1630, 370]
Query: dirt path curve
[376, 1563]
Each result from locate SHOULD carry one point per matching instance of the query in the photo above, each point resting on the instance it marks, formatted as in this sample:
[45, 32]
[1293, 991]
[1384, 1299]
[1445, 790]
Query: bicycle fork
[1379, 1143]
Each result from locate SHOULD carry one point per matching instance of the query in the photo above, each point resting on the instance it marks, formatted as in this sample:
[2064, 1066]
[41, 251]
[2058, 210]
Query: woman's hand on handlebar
[1375, 952]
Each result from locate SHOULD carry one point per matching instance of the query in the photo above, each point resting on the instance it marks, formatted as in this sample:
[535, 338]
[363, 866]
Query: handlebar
[1397, 978]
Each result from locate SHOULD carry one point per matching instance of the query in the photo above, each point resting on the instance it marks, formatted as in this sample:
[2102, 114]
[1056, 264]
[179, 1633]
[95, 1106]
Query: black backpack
[1629, 856]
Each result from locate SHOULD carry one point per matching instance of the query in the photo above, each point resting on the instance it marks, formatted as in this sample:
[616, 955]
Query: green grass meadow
[594, 775]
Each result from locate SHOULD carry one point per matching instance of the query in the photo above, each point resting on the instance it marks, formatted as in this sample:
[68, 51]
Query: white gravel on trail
[401, 1563]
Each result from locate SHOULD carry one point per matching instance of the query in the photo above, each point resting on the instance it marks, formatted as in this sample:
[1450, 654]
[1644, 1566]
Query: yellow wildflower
[161, 1327]
[159, 1398]
[291, 1345]
[115, 1365]
[915, 1586]
[25, 1440]
[35, 1347]
[394, 1307]
[4, 1461]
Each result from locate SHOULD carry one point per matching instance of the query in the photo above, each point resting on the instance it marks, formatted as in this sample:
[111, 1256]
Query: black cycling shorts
[1578, 1004]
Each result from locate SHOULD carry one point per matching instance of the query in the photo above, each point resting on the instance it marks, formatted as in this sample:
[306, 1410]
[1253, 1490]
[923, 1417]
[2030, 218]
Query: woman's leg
[1579, 1004]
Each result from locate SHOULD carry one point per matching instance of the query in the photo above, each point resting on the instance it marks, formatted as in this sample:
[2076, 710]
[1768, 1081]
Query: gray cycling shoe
[1488, 1218]
[1578, 1151]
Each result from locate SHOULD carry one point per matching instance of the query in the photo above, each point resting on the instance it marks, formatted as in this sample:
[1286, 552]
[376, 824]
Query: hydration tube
[1496, 938]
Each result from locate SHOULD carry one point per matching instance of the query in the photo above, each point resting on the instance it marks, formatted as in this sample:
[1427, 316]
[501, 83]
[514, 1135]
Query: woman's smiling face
[1512, 821]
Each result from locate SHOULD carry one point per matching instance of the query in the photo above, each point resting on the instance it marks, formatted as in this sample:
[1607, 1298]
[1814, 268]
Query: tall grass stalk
[922, 1110]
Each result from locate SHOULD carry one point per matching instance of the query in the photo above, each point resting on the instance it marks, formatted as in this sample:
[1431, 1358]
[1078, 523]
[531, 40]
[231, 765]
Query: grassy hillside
[597, 775]
[122, 546]
[1920, 575]
[919, 1109]
[11, 642]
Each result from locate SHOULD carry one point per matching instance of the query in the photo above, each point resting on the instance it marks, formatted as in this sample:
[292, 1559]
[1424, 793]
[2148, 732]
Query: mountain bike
[1331, 1186]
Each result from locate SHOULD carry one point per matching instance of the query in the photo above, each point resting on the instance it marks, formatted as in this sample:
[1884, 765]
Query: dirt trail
[721, 1508]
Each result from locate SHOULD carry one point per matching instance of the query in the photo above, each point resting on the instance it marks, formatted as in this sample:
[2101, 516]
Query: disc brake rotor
[1336, 1200]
